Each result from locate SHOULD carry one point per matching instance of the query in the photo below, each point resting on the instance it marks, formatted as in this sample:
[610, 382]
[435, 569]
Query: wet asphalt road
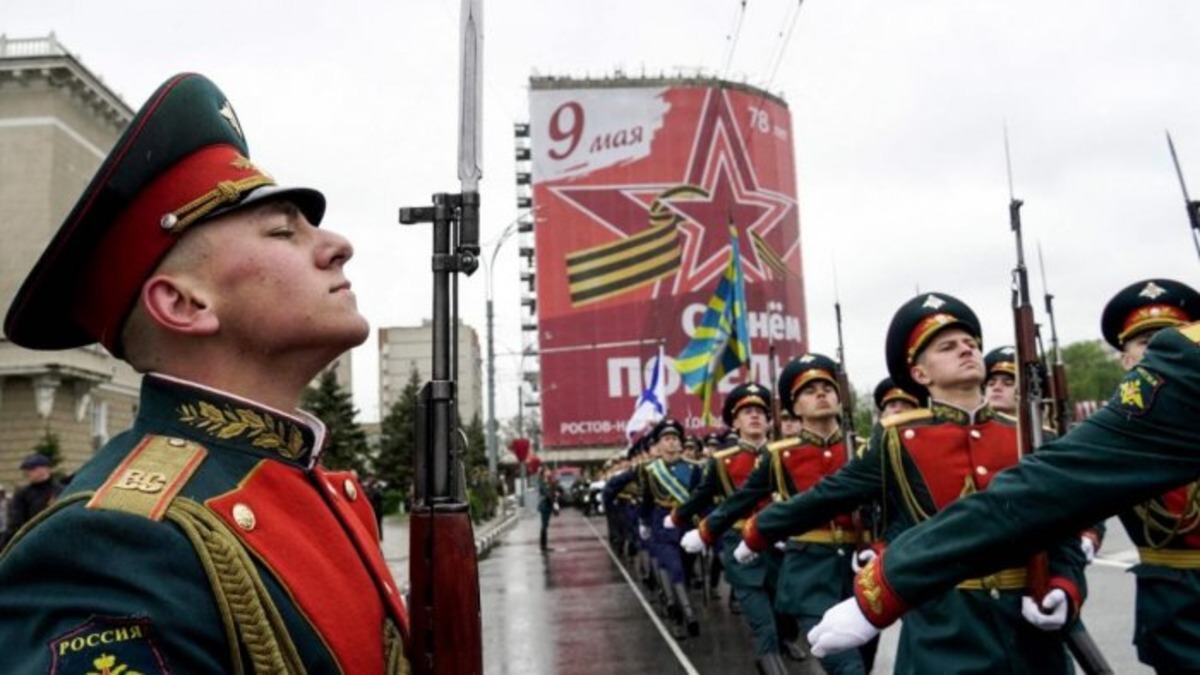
[574, 610]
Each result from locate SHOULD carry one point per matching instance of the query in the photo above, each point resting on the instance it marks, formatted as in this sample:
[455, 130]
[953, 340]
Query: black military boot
[685, 608]
[772, 664]
[668, 607]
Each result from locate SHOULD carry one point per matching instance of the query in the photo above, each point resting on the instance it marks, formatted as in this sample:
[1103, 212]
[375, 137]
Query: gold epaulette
[151, 475]
[727, 452]
[783, 444]
[906, 417]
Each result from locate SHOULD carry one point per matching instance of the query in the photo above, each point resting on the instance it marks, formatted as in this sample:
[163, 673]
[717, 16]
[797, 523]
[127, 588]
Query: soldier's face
[276, 283]
[952, 359]
[751, 422]
[670, 447]
[817, 400]
[1001, 390]
[1134, 348]
[790, 426]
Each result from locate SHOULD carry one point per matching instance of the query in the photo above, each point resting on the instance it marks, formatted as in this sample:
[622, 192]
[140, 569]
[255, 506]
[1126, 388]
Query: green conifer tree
[347, 446]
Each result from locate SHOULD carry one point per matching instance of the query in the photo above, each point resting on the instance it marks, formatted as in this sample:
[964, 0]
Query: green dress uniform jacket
[203, 540]
[742, 477]
[918, 463]
[1142, 444]
[815, 572]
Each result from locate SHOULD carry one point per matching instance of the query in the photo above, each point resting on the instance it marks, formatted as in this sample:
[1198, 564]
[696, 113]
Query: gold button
[909, 434]
[176, 442]
[787, 454]
[351, 491]
[975, 433]
[244, 517]
[828, 454]
[981, 470]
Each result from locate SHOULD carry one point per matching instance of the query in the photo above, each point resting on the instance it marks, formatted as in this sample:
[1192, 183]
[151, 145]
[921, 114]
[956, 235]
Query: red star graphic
[720, 167]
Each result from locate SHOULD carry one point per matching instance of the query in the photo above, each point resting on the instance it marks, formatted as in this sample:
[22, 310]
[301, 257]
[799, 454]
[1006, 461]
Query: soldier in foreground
[218, 544]
[1165, 528]
[1141, 445]
[922, 461]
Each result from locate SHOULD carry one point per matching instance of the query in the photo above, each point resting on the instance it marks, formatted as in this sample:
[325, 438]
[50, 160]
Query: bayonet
[1193, 207]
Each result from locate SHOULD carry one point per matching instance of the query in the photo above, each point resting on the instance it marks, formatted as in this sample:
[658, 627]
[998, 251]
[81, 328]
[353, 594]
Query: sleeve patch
[108, 645]
[1136, 393]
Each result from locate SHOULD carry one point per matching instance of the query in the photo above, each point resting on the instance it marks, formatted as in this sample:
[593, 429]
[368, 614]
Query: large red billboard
[635, 185]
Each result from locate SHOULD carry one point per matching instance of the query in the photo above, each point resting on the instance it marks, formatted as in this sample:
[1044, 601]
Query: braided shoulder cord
[246, 608]
[393, 646]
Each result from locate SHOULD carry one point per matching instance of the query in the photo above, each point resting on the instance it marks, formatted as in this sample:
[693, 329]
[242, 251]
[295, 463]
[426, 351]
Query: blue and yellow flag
[721, 343]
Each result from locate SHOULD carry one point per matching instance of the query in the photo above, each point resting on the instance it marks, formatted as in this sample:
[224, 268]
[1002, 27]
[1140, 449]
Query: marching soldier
[747, 409]
[922, 461]
[1141, 445]
[1166, 528]
[816, 572]
[626, 488]
[669, 481]
[216, 542]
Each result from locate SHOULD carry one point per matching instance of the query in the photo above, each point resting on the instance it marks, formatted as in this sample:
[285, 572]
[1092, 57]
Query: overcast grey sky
[898, 113]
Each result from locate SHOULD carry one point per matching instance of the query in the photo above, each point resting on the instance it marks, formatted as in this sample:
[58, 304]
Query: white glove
[743, 554]
[1053, 613]
[644, 532]
[860, 559]
[781, 546]
[1089, 548]
[843, 627]
[668, 523]
[556, 507]
[691, 542]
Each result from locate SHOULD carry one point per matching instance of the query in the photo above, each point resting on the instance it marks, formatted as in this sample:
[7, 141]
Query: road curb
[487, 538]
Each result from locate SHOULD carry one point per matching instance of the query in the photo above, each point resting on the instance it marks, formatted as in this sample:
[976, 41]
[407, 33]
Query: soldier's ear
[179, 304]
[917, 371]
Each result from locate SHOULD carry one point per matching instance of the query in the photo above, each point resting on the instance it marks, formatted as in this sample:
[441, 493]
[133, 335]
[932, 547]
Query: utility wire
[732, 38]
[786, 38]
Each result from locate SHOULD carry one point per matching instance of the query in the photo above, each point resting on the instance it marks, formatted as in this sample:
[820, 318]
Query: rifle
[846, 398]
[1193, 207]
[776, 404]
[446, 633]
[1059, 397]
[1030, 381]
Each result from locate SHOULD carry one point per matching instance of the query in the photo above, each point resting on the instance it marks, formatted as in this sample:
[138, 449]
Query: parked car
[569, 479]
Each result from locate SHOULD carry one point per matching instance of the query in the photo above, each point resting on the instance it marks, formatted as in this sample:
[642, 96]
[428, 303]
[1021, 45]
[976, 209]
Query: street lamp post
[492, 431]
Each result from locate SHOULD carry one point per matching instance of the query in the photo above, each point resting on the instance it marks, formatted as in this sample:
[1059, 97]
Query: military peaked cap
[1153, 303]
[887, 391]
[664, 427]
[1001, 360]
[183, 158]
[750, 393]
